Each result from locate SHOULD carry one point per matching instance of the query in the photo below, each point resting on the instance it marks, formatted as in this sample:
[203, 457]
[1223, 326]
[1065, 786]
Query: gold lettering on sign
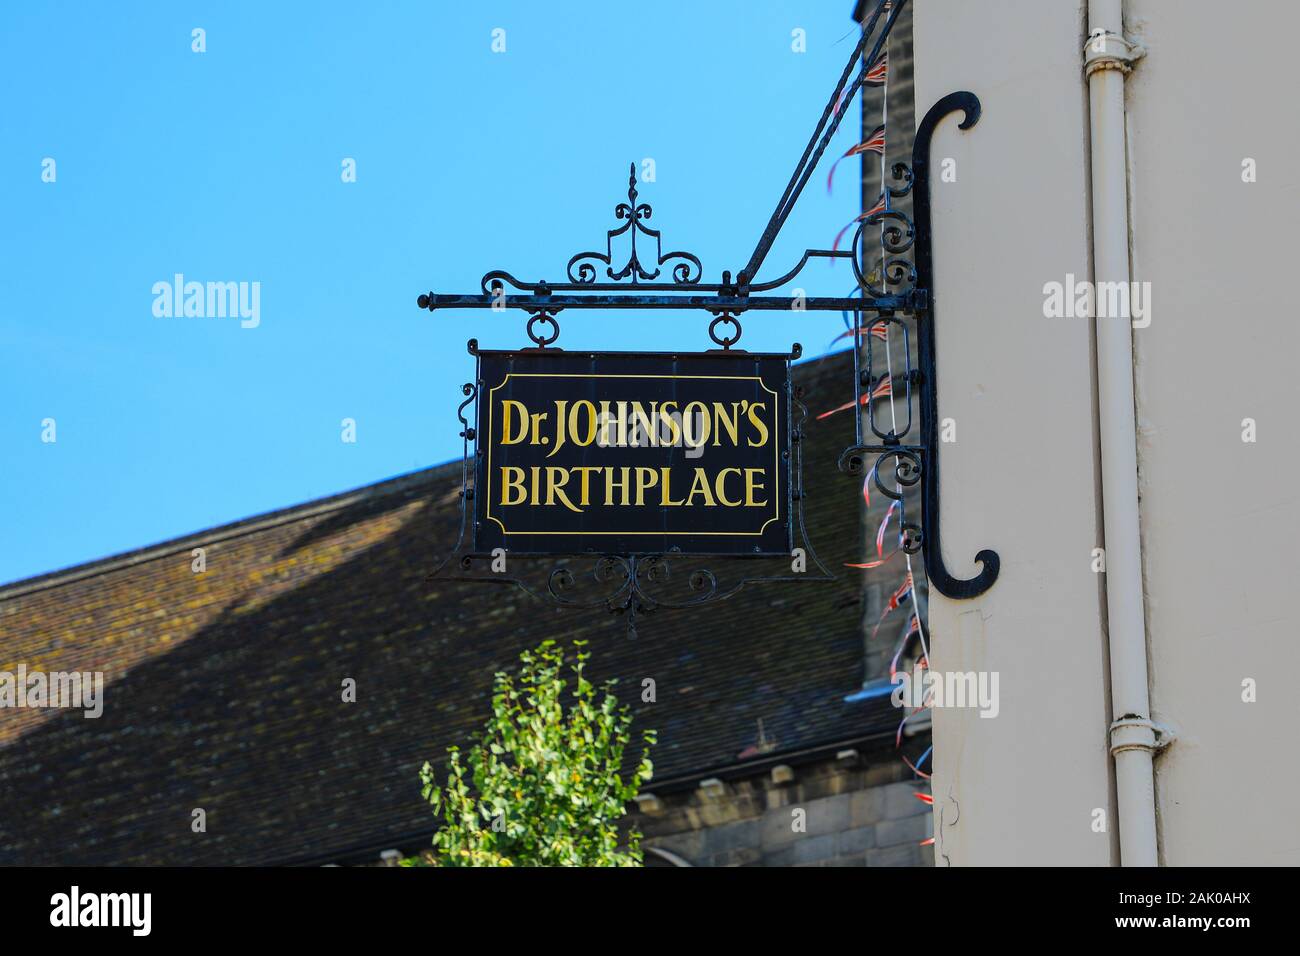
[629, 486]
[690, 480]
[635, 424]
[510, 408]
[512, 478]
[759, 425]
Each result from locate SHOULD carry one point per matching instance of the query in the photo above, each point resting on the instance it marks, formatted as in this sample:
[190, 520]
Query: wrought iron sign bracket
[894, 296]
[919, 461]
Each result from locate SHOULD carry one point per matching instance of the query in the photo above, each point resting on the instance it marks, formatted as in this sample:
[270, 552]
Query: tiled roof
[224, 688]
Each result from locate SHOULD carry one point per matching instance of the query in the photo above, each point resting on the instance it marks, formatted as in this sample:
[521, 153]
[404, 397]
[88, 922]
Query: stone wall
[856, 812]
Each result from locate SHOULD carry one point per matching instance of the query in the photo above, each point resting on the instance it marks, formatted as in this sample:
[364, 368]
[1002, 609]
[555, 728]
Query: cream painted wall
[1020, 788]
[1220, 518]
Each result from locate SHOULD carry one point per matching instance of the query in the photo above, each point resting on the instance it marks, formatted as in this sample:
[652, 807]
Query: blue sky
[226, 166]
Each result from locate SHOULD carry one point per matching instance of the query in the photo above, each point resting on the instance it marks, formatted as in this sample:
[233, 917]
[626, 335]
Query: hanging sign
[633, 453]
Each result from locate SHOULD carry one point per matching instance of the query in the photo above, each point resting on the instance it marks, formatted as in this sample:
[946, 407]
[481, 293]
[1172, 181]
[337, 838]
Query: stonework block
[900, 801]
[906, 830]
[740, 856]
[717, 812]
[778, 797]
[886, 771]
[814, 849]
[904, 855]
[775, 828]
[781, 857]
[689, 845]
[829, 814]
[847, 820]
[855, 841]
[867, 807]
[731, 836]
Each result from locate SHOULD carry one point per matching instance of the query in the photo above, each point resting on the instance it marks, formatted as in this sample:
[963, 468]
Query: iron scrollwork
[920, 461]
[686, 270]
[893, 289]
[897, 234]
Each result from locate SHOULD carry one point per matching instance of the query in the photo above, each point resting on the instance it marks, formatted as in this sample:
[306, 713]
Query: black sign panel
[633, 453]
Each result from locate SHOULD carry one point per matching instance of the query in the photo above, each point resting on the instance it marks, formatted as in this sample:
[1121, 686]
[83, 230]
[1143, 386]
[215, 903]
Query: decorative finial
[583, 267]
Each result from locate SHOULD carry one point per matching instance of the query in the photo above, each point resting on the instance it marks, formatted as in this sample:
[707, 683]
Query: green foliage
[543, 785]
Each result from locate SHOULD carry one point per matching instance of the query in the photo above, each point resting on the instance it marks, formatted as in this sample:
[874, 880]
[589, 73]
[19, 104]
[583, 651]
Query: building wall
[1019, 788]
[1219, 516]
[854, 814]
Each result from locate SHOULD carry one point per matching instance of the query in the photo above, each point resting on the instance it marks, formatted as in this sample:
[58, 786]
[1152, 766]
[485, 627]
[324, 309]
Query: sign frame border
[786, 497]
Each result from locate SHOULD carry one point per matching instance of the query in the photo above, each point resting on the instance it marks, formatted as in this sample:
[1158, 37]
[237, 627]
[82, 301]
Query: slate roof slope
[224, 688]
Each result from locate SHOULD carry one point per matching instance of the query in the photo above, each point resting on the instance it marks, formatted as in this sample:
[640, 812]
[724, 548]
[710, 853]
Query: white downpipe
[1132, 735]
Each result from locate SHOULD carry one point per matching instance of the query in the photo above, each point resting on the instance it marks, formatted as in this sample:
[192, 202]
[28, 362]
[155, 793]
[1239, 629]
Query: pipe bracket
[1139, 733]
[1105, 50]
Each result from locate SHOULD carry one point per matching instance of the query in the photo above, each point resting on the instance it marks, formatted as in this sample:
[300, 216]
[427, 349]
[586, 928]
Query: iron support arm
[908, 302]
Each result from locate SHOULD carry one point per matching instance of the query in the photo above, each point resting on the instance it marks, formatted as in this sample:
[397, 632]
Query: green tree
[543, 785]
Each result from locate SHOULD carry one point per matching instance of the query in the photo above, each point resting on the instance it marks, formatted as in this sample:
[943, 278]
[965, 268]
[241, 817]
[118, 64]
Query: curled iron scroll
[582, 269]
[935, 571]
